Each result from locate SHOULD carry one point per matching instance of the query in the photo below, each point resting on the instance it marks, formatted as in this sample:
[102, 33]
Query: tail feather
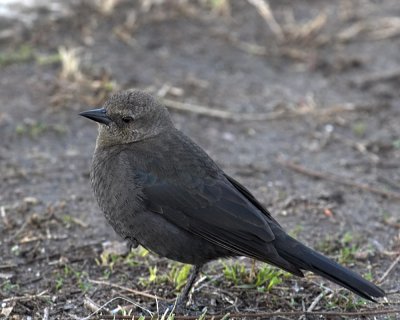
[308, 259]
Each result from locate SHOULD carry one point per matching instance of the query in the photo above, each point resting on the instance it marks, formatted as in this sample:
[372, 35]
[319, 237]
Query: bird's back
[173, 155]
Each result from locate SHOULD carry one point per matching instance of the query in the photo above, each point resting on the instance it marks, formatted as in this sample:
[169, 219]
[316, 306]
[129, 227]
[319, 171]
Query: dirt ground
[303, 108]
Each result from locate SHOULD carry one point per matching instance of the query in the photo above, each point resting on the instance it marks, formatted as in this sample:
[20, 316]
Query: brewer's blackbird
[158, 188]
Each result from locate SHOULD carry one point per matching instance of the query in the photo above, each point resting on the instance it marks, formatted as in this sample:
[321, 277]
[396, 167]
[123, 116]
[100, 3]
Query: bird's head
[129, 116]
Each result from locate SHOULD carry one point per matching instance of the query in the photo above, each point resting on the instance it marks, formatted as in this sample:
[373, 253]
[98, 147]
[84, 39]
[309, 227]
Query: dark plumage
[158, 188]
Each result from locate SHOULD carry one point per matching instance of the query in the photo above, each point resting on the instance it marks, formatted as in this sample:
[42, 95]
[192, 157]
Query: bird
[158, 188]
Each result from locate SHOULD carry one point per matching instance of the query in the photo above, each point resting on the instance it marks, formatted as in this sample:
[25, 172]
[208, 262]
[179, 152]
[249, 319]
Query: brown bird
[159, 189]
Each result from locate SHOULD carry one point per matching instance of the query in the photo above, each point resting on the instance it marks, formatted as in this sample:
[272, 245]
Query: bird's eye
[127, 119]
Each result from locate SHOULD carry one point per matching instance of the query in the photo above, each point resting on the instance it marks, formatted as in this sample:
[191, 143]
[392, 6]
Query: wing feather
[214, 209]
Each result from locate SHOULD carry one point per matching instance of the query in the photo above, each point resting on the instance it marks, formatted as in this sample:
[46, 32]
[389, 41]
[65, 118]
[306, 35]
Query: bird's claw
[131, 243]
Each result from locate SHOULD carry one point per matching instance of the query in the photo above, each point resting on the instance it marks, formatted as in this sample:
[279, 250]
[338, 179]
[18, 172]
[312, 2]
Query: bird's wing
[246, 193]
[212, 208]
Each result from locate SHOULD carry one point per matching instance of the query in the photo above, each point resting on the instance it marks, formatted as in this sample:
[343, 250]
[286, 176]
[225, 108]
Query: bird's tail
[307, 259]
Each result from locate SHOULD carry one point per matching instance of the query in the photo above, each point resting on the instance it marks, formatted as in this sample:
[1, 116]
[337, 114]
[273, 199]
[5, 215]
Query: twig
[217, 113]
[381, 164]
[377, 29]
[114, 316]
[351, 32]
[273, 115]
[264, 10]
[139, 293]
[338, 179]
[91, 305]
[22, 228]
[45, 314]
[79, 222]
[391, 267]
[306, 30]
[316, 301]
[8, 266]
[28, 297]
[377, 77]
[387, 27]
[28, 239]
[357, 314]
[260, 50]
[4, 217]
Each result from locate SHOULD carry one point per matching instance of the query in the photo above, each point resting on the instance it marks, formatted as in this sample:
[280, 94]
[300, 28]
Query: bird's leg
[131, 243]
[189, 284]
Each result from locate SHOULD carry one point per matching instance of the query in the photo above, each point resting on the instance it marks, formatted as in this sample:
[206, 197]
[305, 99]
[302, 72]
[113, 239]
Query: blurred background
[298, 100]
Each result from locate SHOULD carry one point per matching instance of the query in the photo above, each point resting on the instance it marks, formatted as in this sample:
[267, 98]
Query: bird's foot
[131, 243]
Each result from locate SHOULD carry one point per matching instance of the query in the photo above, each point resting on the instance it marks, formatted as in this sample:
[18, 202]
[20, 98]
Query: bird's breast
[115, 189]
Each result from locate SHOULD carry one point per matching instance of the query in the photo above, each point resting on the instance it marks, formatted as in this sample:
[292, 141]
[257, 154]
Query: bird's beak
[98, 115]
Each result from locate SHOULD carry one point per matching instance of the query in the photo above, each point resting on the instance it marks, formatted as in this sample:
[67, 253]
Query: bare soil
[328, 88]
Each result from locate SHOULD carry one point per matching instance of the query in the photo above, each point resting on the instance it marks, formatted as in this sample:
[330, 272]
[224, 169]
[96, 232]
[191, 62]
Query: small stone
[31, 200]
[6, 275]
[115, 247]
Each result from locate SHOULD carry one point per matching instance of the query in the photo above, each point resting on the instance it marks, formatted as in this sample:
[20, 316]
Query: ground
[302, 107]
